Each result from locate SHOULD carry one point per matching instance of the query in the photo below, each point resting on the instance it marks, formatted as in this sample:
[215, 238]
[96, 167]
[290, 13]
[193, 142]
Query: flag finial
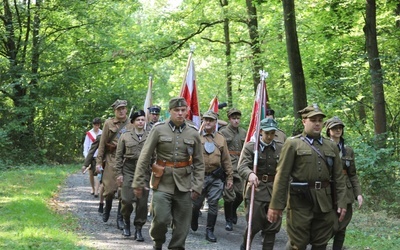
[192, 48]
[263, 74]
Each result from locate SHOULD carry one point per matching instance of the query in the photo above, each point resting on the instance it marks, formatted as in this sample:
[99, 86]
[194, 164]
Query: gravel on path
[75, 197]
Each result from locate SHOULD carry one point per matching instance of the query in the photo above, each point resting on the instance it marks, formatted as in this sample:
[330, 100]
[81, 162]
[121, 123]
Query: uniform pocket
[305, 155]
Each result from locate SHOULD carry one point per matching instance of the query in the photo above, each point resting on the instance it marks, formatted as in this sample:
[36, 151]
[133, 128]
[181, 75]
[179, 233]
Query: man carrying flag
[263, 180]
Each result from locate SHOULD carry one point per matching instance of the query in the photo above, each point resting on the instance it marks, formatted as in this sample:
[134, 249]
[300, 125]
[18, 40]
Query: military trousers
[340, 233]
[212, 190]
[304, 226]
[169, 208]
[127, 200]
[260, 221]
[236, 192]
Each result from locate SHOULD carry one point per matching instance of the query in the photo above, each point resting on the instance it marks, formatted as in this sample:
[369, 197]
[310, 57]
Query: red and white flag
[189, 92]
[259, 108]
[148, 102]
[214, 104]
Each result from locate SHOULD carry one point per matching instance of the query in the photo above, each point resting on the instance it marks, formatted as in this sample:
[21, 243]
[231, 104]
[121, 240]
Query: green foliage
[29, 216]
[378, 169]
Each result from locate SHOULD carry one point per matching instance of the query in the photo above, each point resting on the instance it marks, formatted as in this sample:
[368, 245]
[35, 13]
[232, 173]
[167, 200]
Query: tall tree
[376, 73]
[252, 24]
[294, 58]
[224, 3]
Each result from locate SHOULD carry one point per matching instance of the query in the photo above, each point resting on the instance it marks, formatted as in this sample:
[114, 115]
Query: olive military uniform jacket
[235, 138]
[110, 127]
[268, 157]
[174, 144]
[220, 155]
[353, 188]
[127, 154]
[301, 163]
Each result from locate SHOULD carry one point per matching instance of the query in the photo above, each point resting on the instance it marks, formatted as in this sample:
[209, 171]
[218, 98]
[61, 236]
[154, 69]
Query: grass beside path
[28, 218]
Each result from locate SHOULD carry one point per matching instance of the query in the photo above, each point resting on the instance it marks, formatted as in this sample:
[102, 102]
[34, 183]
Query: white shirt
[88, 143]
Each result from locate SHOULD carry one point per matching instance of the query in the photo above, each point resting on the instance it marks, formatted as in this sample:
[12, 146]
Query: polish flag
[189, 92]
[259, 107]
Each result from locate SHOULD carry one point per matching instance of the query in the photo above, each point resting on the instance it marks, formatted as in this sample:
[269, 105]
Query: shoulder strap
[313, 148]
[119, 129]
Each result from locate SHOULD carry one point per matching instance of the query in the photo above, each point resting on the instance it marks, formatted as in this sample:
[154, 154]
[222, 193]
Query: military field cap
[119, 103]
[136, 114]
[268, 124]
[332, 122]
[311, 111]
[155, 109]
[210, 114]
[233, 111]
[270, 112]
[96, 120]
[177, 102]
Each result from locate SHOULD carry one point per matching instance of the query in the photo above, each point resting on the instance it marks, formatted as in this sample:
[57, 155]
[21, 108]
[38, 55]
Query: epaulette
[192, 126]
[158, 123]
[278, 142]
[296, 136]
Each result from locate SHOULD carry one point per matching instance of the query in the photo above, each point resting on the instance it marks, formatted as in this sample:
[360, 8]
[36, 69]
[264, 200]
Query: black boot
[195, 219]
[138, 234]
[211, 219]
[100, 210]
[236, 203]
[107, 210]
[228, 216]
[127, 228]
[120, 220]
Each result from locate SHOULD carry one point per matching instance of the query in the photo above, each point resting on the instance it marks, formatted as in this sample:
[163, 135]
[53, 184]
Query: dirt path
[75, 197]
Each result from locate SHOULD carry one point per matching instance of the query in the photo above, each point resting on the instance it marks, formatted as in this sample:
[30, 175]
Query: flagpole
[261, 96]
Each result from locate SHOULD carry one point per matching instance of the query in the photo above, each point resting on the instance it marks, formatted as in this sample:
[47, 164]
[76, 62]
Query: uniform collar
[204, 133]
[263, 145]
[311, 140]
[174, 127]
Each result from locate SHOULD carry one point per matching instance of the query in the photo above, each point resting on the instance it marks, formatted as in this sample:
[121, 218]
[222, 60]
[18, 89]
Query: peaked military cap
[233, 111]
[332, 122]
[268, 124]
[177, 102]
[311, 111]
[136, 114]
[210, 114]
[119, 103]
[155, 109]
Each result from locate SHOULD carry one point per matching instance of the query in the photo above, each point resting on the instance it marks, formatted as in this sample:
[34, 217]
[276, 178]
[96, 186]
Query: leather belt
[319, 184]
[234, 152]
[344, 171]
[266, 178]
[174, 164]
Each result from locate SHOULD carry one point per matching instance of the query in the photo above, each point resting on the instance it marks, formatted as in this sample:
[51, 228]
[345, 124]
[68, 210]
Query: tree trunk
[252, 25]
[295, 64]
[228, 57]
[376, 73]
